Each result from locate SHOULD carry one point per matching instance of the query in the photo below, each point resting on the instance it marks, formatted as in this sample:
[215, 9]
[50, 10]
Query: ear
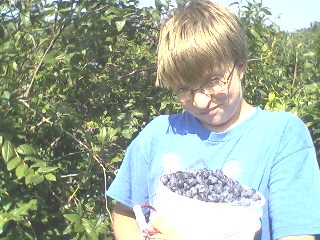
[242, 69]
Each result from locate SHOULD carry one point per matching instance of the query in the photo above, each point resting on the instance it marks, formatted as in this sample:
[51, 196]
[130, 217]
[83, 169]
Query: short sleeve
[294, 184]
[130, 185]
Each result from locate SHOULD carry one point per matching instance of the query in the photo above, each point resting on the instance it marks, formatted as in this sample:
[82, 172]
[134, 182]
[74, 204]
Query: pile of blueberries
[209, 186]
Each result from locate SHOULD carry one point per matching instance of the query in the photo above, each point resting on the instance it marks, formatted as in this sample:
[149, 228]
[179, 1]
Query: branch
[41, 62]
[47, 50]
[257, 59]
[98, 160]
[137, 71]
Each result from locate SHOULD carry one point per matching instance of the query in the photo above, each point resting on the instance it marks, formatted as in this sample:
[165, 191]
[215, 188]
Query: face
[217, 104]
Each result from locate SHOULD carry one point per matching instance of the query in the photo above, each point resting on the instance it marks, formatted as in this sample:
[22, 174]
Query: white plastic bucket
[207, 220]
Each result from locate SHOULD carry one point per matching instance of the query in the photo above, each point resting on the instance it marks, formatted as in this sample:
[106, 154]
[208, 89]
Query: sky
[290, 15]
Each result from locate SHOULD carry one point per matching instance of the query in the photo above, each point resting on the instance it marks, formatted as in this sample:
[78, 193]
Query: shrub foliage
[77, 84]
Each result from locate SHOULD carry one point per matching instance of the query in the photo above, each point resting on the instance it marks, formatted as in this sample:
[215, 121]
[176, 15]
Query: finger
[232, 169]
[161, 224]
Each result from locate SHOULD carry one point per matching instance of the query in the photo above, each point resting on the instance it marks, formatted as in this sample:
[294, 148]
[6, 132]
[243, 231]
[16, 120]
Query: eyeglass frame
[191, 93]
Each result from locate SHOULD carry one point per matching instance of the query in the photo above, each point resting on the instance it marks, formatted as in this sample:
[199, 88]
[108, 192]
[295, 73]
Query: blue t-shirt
[274, 150]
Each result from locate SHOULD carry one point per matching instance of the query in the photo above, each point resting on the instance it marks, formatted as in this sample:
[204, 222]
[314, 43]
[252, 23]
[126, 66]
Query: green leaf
[234, 3]
[34, 178]
[6, 204]
[89, 226]
[13, 163]
[26, 149]
[272, 96]
[78, 227]
[266, 11]
[49, 59]
[126, 133]
[120, 24]
[23, 208]
[68, 229]
[47, 169]
[6, 95]
[75, 219]
[3, 222]
[50, 177]
[38, 164]
[116, 159]
[255, 34]
[20, 170]
[308, 65]
[25, 17]
[72, 217]
[159, 5]
[7, 151]
[310, 54]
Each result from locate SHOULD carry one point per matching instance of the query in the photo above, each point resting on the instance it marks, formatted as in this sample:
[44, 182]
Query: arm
[291, 203]
[302, 237]
[124, 225]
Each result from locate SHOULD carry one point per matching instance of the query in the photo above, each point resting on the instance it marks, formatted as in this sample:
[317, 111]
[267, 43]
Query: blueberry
[194, 191]
[215, 197]
[219, 174]
[201, 188]
[210, 186]
[203, 196]
[256, 197]
[227, 189]
[192, 182]
[179, 191]
[236, 192]
[188, 194]
[196, 197]
[248, 193]
[212, 179]
[164, 179]
[180, 183]
[218, 189]
[199, 178]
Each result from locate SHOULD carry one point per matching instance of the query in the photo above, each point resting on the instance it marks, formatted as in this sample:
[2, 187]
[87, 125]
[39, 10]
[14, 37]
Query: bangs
[194, 43]
[189, 56]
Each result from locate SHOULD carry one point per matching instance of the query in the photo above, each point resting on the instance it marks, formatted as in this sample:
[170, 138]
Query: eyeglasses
[215, 86]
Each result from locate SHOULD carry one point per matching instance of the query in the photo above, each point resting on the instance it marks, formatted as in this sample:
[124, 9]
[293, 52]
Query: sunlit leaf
[266, 11]
[46, 169]
[72, 217]
[33, 178]
[50, 177]
[3, 222]
[20, 170]
[13, 163]
[26, 149]
[7, 151]
[120, 24]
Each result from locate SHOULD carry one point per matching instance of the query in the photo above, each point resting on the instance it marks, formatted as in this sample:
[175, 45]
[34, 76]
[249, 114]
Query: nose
[201, 100]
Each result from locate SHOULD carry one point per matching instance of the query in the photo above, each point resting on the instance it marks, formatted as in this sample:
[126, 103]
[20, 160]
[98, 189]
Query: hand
[165, 227]
[188, 229]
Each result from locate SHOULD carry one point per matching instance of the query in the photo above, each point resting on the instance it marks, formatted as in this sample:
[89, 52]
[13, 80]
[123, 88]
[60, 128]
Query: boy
[202, 58]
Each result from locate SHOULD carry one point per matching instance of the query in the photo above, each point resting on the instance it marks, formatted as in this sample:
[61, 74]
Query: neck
[239, 115]
[243, 113]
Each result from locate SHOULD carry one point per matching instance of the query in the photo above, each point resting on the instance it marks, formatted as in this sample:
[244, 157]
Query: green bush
[77, 84]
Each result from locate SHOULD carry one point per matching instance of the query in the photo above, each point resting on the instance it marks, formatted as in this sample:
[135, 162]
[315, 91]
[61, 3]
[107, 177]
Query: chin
[215, 125]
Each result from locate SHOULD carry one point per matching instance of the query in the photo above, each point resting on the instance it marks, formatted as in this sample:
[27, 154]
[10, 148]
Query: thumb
[232, 169]
[170, 229]
[161, 224]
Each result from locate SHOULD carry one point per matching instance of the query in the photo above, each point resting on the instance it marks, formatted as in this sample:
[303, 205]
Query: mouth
[209, 110]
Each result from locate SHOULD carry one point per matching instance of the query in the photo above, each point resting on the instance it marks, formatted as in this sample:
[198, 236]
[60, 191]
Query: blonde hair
[201, 37]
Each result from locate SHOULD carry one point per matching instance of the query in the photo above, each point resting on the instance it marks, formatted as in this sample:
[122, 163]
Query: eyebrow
[182, 89]
[207, 78]
[213, 75]
[219, 72]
